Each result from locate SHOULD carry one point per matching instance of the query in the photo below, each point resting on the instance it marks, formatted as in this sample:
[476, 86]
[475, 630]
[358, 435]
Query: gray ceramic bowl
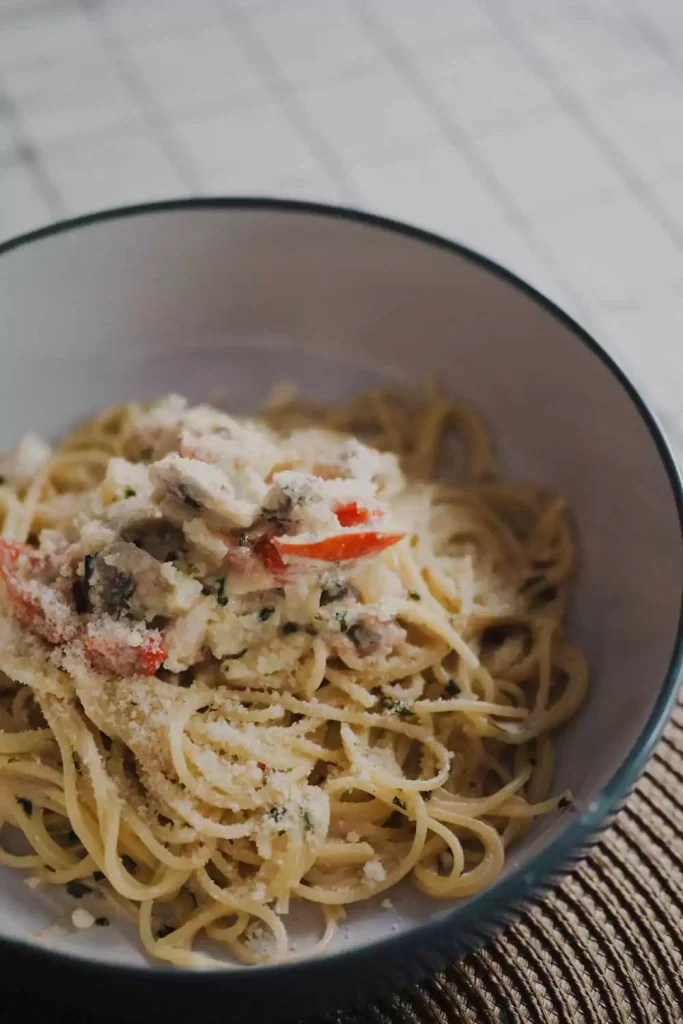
[190, 296]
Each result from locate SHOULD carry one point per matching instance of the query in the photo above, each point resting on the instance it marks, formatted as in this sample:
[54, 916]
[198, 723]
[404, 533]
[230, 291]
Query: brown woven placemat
[606, 945]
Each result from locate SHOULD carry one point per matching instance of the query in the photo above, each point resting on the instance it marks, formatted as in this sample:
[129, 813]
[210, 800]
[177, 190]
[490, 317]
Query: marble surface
[546, 133]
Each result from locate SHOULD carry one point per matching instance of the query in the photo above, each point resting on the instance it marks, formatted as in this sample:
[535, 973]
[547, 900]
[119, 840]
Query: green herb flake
[342, 621]
[308, 821]
[188, 499]
[77, 890]
[396, 707]
[277, 813]
[98, 876]
[26, 805]
[451, 689]
[289, 627]
[414, 595]
[397, 802]
[129, 492]
[102, 922]
[563, 802]
[236, 655]
[266, 613]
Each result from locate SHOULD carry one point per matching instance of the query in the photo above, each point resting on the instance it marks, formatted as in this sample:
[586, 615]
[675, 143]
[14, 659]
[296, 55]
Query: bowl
[240, 293]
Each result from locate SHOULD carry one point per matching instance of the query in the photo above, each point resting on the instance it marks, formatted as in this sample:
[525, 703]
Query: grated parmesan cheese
[374, 871]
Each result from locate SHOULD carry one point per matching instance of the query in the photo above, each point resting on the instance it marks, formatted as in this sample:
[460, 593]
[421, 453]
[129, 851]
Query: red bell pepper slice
[342, 547]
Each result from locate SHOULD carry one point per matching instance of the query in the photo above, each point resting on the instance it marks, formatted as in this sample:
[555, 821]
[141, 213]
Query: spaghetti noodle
[250, 663]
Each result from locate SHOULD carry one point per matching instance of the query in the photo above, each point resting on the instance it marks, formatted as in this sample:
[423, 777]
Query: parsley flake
[451, 689]
[26, 805]
[266, 613]
[397, 802]
[414, 595]
[396, 707]
[77, 890]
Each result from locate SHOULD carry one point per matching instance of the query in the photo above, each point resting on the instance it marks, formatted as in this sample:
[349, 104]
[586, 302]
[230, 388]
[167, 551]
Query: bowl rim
[507, 892]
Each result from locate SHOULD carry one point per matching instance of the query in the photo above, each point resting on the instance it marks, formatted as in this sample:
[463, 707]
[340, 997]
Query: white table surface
[545, 133]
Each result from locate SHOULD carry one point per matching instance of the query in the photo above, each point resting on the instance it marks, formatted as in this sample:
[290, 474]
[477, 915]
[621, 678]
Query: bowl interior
[236, 298]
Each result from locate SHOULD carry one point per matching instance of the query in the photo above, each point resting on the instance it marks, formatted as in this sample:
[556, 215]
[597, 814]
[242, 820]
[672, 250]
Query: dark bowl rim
[509, 891]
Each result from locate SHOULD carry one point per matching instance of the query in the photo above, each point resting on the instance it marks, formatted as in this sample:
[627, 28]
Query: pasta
[249, 663]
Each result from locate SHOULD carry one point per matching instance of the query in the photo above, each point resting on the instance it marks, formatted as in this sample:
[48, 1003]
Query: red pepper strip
[121, 659]
[342, 547]
[353, 514]
[53, 623]
[265, 549]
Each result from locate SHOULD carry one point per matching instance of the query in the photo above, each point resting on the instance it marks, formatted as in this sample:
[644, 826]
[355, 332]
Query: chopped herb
[289, 627]
[414, 595]
[396, 707]
[277, 813]
[128, 863]
[79, 592]
[77, 890]
[102, 922]
[397, 802]
[308, 821]
[234, 657]
[114, 587]
[187, 499]
[266, 613]
[164, 930]
[98, 876]
[26, 805]
[78, 766]
[342, 620]
[80, 588]
[216, 588]
[333, 592]
[129, 492]
[564, 801]
[451, 689]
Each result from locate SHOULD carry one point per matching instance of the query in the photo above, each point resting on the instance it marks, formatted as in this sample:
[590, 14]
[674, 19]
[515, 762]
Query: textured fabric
[604, 945]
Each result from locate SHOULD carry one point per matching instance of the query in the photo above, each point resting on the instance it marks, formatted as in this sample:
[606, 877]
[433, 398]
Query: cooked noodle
[322, 728]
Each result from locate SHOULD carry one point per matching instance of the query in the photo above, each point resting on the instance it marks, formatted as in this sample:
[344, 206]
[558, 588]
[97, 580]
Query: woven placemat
[605, 944]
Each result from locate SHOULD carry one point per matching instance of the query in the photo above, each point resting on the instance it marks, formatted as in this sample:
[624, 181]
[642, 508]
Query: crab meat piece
[35, 604]
[122, 649]
[198, 489]
[186, 637]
